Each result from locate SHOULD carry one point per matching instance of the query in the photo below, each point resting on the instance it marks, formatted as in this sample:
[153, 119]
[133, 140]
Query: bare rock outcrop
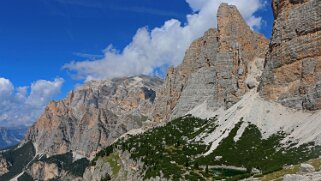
[44, 171]
[306, 173]
[118, 166]
[94, 115]
[306, 168]
[216, 68]
[3, 166]
[292, 74]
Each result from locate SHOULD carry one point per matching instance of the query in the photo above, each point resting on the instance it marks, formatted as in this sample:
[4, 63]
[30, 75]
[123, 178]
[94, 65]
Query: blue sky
[40, 37]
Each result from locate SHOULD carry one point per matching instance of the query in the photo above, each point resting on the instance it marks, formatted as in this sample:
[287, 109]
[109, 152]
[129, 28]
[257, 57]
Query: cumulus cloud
[23, 105]
[151, 50]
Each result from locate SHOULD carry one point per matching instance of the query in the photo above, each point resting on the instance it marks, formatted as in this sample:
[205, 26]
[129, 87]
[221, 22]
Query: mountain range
[239, 106]
[11, 136]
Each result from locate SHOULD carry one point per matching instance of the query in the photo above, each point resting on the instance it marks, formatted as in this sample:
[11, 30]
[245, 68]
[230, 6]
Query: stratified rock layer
[94, 115]
[216, 68]
[292, 74]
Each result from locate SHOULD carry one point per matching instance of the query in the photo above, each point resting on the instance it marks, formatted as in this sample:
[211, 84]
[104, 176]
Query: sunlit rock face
[94, 115]
[217, 68]
[292, 74]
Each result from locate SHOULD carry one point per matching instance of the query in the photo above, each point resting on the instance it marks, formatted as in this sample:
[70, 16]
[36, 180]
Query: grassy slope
[292, 169]
[113, 162]
[173, 151]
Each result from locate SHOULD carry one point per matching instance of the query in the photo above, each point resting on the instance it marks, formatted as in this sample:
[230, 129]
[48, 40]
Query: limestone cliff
[217, 68]
[93, 116]
[293, 66]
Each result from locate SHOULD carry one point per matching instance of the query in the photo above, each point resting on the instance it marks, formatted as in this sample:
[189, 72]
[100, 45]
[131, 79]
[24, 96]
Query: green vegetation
[251, 151]
[227, 172]
[25, 177]
[21, 157]
[175, 152]
[18, 157]
[103, 153]
[278, 175]
[113, 162]
[170, 149]
[65, 162]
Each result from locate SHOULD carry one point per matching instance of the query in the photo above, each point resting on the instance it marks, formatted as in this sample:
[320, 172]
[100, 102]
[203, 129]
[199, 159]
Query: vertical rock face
[94, 115]
[217, 68]
[292, 74]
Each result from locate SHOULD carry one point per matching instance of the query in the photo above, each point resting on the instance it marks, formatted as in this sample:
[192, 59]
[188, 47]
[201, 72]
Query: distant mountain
[226, 113]
[10, 136]
[72, 130]
[94, 115]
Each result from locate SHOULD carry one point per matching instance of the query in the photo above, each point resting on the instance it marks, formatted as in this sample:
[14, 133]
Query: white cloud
[197, 5]
[6, 88]
[255, 22]
[166, 45]
[18, 107]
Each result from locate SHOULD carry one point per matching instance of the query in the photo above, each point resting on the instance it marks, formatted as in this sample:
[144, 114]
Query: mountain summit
[218, 68]
[94, 115]
[215, 117]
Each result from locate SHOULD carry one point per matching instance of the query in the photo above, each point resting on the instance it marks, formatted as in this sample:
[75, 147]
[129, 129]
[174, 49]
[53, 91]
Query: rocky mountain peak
[93, 115]
[218, 68]
[234, 33]
[293, 65]
[220, 81]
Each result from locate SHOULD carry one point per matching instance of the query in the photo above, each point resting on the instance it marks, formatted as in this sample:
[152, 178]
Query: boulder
[306, 168]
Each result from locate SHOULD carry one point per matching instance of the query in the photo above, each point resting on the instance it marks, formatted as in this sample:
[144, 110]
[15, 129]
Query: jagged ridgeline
[176, 152]
[71, 131]
[216, 116]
